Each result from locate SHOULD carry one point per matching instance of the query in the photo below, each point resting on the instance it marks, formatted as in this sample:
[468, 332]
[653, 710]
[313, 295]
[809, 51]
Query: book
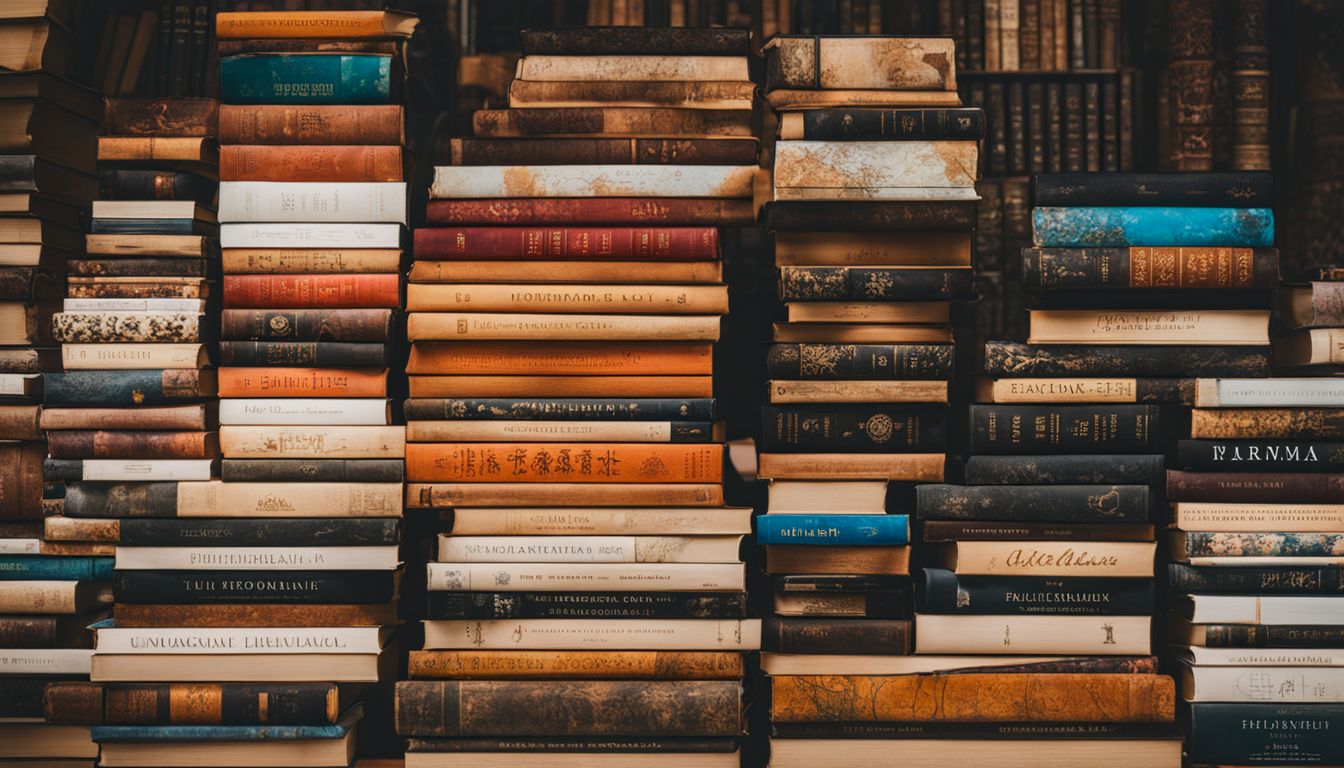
[306, 79]
[311, 124]
[48, 597]
[104, 327]
[1057, 503]
[320, 324]
[451, 495]
[562, 409]
[311, 25]
[1227, 644]
[559, 462]
[875, 170]
[302, 261]
[913, 467]
[567, 271]
[583, 387]
[155, 356]
[310, 235]
[549, 431]
[601, 122]
[1229, 189]
[313, 470]
[562, 577]
[811, 559]
[170, 640]
[851, 429]
[1114, 559]
[1247, 516]
[336, 743]
[580, 298]
[1266, 685]
[781, 392]
[541, 244]
[1032, 429]
[1266, 423]
[560, 327]
[456, 182]
[1258, 609]
[305, 411]
[284, 382]
[873, 284]
[261, 162]
[1144, 268]
[838, 249]
[642, 67]
[605, 150]
[891, 63]
[948, 593]
[300, 442]
[607, 40]
[1081, 226]
[1005, 358]
[831, 636]
[583, 520]
[129, 469]
[113, 444]
[1257, 455]
[874, 124]
[622, 210]
[261, 587]
[1085, 390]
[1227, 732]
[285, 615]
[1278, 392]
[1245, 327]
[834, 529]
[236, 668]
[589, 549]
[696, 94]
[1256, 579]
[829, 362]
[1016, 752]
[301, 558]
[542, 664]
[215, 499]
[585, 605]
[585, 634]
[310, 202]
[1108, 635]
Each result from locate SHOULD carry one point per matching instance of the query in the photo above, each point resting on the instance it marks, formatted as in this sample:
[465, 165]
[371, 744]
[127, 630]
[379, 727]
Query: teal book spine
[833, 530]
[306, 79]
[54, 568]
[161, 733]
[1084, 227]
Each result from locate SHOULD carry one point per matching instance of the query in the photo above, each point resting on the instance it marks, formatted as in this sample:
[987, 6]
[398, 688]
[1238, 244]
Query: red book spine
[336, 291]
[668, 212]
[545, 244]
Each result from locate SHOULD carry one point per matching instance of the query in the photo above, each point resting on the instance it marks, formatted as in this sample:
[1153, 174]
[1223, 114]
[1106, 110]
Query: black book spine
[996, 113]
[1147, 269]
[347, 532]
[1037, 141]
[322, 354]
[937, 729]
[1264, 733]
[566, 409]
[136, 184]
[22, 696]
[1047, 429]
[104, 500]
[667, 41]
[585, 605]
[1007, 358]
[17, 283]
[1259, 456]
[288, 587]
[313, 470]
[873, 284]
[1017, 128]
[1039, 503]
[1092, 124]
[825, 362]
[1271, 636]
[1254, 580]
[115, 388]
[863, 429]
[340, 325]
[1213, 190]
[1110, 125]
[888, 604]
[869, 216]
[946, 593]
[1105, 469]
[148, 226]
[841, 583]
[563, 744]
[136, 267]
[63, 470]
[848, 636]
[914, 124]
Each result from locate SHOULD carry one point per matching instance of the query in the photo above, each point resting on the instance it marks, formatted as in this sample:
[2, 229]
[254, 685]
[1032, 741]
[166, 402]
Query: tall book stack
[872, 212]
[48, 592]
[588, 596]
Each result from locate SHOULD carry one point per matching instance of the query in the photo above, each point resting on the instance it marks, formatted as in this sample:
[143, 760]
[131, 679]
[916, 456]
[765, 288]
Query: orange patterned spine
[257, 162]
[302, 382]
[303, 291]
[563, 463]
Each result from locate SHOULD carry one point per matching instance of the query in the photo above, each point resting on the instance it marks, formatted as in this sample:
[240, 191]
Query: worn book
[585, 605]
[602, 122]
[1085, 390]
[1236, 189]
[216, 499]
[852, 429]
[564, 462]
[567, 298]
[913, 467]
[309, 79]
[569, 577]
[238, 704]
[607, 40]
[455, 182]
[875, 170]
[1006, 358]
[1315, 349]
[620, 210]
[1112, 559]
[1267, 423]
[876, 124]
[1274, 392]
[585, 664]
[311, 124]
[573, 634]
[945, 592]
[1146, 268]
[875, 62]
[1234, 327]
[1117, 227]
[475, 326]
[1055, 503]
[1090, 635]
[691, 94]
[874, 284]
[607, 150]
[311, 202]
[589, 549]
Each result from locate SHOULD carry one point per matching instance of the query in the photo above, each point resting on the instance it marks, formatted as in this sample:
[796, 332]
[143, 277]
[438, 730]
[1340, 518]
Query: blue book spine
[1211, 544]
[306, 79]
[1083, 227]
[216, 732]
[833, 530]
[54, 568]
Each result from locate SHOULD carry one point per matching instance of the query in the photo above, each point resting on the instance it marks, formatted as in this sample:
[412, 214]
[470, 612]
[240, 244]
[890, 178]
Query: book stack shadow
[49, 592]
[1255, 624]
[586, 604]
[872, 212]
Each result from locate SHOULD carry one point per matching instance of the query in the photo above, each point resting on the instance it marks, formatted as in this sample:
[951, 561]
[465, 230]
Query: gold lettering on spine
[196, 704]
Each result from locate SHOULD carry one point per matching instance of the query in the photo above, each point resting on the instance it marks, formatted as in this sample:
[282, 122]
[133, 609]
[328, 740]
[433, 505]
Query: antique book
[113, 640]
[585, 605]
[307, 291]
[589, 549]
[599, 40]
[783, 392]
[116, 444]
[310, 235]
[1278, 392]
[588, 520]
[1267, 423]
[501, 271]
[305, 411]
[230, 704]
[853, 249]
[324, 324]
[1033, 429]
[1287, 684]
[914, 467]
[325, 441]
[149, 616]
[1224, 733]
[689, 94]
[452, 495]
[618, 210]
[812, 558]
[838, 62]
[455, 182]
[309, 124]
[1311, 306]
[602, 122]
[1099, 635]
[240, 668]
[567, 298]
[216, 499]
[1188, 545]
[259, 162]
[622, 634]
[874, 283]
[190, 417]
[555, 243]
[548, 431]
[302, 261]
[1085, 390]
[854, 429]
[298, 354]
[1081, 226]
[325, 78]
[643, 67]
[303, 382]
[569, 577]
[945, 592]
[830, 362]
[1229, 189]
[543, 664]
[830, 636]
[313, 470]
[160, 117]
[198, 588]
[1035, 503]
[310, 202]
[1115, 559]
[1235, 327]
[875, 170]
[561, 409]
[342, 25]
[1006, 358]
[474, 326]
[873, 124]
[602, 151]
[601, 387]
[1059, 269]
[1163, 749]
[1255, 498]
[560, 462]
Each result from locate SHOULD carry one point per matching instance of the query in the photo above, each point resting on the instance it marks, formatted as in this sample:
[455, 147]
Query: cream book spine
[1113, 559]
[218, 499]
[377, 558]
[896, 170]
[591, 577]
[1226, 517]
[1250, 393]
[238, 640]
[45, 661]
[310, 235]
[1314, 685]
[1265, 609]
[301, 411]
[312, 442]
[1090, 326]
[1092, 635]
[586, 634]
[495, 181]
[433, 326]
[589, 549]
[131, 357]
[598, 521]
[635, 67]
[296, 201]
[151, 470]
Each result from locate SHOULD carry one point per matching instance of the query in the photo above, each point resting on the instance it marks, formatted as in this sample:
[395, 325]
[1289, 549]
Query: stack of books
[872, 212]
[564, 305]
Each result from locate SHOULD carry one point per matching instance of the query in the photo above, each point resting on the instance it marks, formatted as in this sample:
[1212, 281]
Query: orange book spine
[563, 463]
[256, 162]
[303, 291]
[508, 358]
[445, 495]
[302, 382]
[562, 386]
[347, 24]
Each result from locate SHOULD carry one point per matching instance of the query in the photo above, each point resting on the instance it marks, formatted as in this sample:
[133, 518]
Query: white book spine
[1100, 635]
[303, 411]
[141, 209]
[265, 500]
[129, 357]
[589, 549]
[272, 201]
[1315, 685]
[133, 305]
[45, 661]
[1268, 609]
[148, 470]
[231, 640]
[632, 68]
[594, 577]
[1249, 393]
[257, 558]
[586, 634]
[1266, 657]
[496, 181]
[876, 193]
[15, 383]
[20, 546]
[300, 441]
[310, 235]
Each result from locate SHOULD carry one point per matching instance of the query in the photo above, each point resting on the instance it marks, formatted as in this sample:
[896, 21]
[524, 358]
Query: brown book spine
[721, 94]
[543, 244]
[73, 701]
[259, 162]
[20, 422]
[132, 445]
[160, 117]
[302, 382]
[315, 291]
[801, 558]
[647, 665]
[602, 151]
[298, 261]
[826, 635]
[563, 462]
[1190, 49]
[445, 495]
[1250, 487]
[319, 615]
[80, 529]
[1272, 423]
[1029, 35]
[168, 417]
[561, 386]
[88, 288]
[310, 124]
[609, 210]
[596, 121]
[308, 324]
[191, 704]
[974, 698]
[562, 358]
[21, 480]
[1250, 86]
[27, 632]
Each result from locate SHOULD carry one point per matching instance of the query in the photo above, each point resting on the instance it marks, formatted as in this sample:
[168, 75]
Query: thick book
[367, 411]
[1007, 745]
[108, 444]
[261, 162]
[307, 79]
[456, 182]
[549, 243]
[589, 549]
[309, 124]
[1225, 733]
[1073, 429]
[944, 592]
[564, 462]
[302, 557]
[215, 499]
[141, 184]
[584, 605]
[1189, 545]
[1035, 503]
[343, 25]
[1145, 268]
[1259, 498]
[254, 586]
[1258, 579]
[283, 382]
[600, 387]
[833, 529]
[602, 151]
[851, 428]
[882, 124]
[833, 636]
[612, 708]
[1310, 306]
[1235, 327]
[302, 261]
[875, 170]
[874, 284]
[828, 362]
[1116, 227]
[1085, 390]
[639, 634]
[608, 40]
[1267, 423]
[1044, 697]
[860, 62]
[1262, 685]
[1276, 392]
[1033, 634]
[569, 577]
[313, 470]
[867, 216]
[160, 117]
[1007, 358]
[451, 495]
[275, 202]
[1259, 609]
[307, 442]
[111, 327]
[329, 323]
[1232, 640]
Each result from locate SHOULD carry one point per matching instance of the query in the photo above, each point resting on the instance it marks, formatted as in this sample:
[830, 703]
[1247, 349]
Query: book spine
[19, 568]
[307, 442]
[590, 180]
[620, 432]
[827, 362]
[116, 184]
[1254, 487]
[221, 704]
[1247, 455]
[347, 25]
[1032, 429]
[86, 444]
[564, 462]
[1090, 390]
[539, 326]
[1087, 227]
[260, 162]
[1286, 684]
[828, 636]
[853, 428]
[120, 500]
[1003, 358]
[560, 358]
[572, 744]
[570, 409]
[584, 605]
[306, 79]
[23, 697]
[123, 388]
[1034, 503]
[541, 244]
[1254, 580]
[247, 202]
[651, 40]
[975, 530]
[1270, 636]
[259, 533]
[947, 593]
[301, 354]
[633, 211]
[873, 124]
[294, 261]
[302, 382]
[307, 325]
[445, 495]
[873, 284]
[113, 734]
[613, 708]
[1225, 544]
[313, 470]
[564, 634]
[1267, 423]
[261, 587]
[853, 530]
[165, 267]
[310, 124]
[105, 327]
[1147, 268]
[481, 664]
[27, 632]
[1231, 190]
[1223, 733]
[603, 151]
[568, 577]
